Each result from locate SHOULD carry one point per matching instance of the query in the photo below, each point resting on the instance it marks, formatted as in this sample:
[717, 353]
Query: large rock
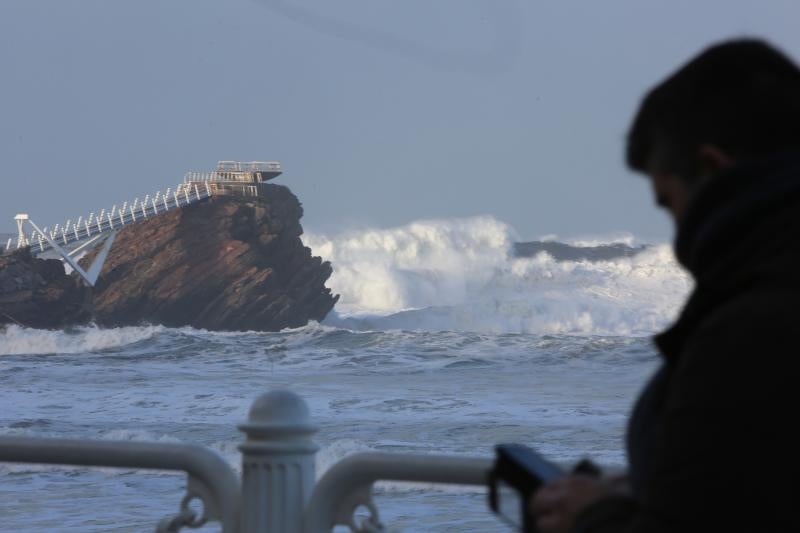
[38, 293]
[229, 263]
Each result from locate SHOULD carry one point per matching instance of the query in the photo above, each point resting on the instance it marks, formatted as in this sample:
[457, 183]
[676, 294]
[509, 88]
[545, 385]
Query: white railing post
[122, 213]
[99, 219]
[277, 463]
[164, 197]
[196, 192]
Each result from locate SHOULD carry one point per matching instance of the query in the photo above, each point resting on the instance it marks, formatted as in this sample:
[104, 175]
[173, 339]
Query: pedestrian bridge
[74, 238]
[96, 225]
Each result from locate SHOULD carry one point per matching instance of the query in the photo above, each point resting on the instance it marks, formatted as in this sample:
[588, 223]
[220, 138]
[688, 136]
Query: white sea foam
[459, 275]
[16, 340]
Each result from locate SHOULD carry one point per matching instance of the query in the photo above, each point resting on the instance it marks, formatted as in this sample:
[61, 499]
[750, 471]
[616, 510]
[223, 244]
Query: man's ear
[712, 160]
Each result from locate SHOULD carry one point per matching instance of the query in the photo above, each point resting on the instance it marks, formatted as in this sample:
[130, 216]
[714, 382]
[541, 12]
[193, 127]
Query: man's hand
[558, 504]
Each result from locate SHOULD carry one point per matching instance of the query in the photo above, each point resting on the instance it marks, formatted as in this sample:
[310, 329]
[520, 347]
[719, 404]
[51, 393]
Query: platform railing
[277, 491]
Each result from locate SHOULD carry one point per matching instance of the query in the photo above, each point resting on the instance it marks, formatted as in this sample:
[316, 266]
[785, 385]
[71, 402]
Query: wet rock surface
[38, 293]
[229, 263]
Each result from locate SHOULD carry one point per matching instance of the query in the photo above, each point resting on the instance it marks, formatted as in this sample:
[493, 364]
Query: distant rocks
[229, 263]
[565, 252]
[38, 293]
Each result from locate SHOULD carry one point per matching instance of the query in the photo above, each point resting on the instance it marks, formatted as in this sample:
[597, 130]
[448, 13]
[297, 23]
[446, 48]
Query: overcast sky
[382, 111]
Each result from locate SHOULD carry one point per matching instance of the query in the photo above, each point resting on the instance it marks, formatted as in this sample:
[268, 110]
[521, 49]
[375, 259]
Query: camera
[518, 473]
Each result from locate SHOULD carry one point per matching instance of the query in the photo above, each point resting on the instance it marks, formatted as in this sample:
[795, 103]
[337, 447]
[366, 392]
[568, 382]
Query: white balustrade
[277, 491]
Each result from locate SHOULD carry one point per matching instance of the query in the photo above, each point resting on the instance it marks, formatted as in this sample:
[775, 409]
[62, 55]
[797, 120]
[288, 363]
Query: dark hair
[742, 96]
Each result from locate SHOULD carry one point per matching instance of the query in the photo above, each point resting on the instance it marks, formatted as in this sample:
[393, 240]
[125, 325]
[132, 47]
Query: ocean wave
[16, 340]
[462, 275]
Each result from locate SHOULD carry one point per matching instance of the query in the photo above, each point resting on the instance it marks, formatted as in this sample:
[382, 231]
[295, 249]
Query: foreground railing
[277, 492]
[210, 478]
[348, 485]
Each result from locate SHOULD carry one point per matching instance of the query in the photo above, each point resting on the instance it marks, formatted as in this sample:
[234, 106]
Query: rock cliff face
[229, 263]
[38, 293]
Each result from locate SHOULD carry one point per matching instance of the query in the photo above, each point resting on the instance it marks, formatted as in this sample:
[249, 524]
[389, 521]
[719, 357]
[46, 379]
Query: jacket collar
[732, 228]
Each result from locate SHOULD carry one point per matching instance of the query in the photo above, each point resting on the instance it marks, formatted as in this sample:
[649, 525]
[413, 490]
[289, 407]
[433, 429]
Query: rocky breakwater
[229, 263]
[38, 293]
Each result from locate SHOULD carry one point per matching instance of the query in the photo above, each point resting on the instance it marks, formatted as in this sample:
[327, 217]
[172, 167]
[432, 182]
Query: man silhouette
[710, 442]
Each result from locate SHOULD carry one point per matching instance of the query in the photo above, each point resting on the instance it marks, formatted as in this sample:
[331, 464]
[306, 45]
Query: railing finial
[278, 453]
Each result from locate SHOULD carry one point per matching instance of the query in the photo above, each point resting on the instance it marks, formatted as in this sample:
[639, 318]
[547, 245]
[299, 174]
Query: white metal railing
[249, 166]
[108, 220]
[277, 493]
[348, 485]
[210, 478]
[217, 175]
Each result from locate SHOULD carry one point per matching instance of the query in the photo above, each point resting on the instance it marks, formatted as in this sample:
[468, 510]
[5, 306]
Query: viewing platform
[237, 178]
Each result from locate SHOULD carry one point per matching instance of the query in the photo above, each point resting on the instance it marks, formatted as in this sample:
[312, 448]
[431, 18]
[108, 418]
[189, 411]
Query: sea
[444, 341]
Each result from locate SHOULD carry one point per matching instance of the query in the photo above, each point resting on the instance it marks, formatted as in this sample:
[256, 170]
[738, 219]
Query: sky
[382, 111]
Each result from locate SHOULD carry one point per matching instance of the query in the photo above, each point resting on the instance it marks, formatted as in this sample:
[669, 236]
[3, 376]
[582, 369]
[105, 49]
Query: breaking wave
[462, 275]
[17, 340]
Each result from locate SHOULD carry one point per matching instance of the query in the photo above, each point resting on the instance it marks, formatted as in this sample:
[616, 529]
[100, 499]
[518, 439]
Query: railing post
[277, 464]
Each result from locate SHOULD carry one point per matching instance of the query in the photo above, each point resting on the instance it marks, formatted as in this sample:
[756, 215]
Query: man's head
[735, 101]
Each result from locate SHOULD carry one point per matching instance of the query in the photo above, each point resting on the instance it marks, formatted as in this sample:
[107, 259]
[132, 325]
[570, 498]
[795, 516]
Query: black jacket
[711, 443]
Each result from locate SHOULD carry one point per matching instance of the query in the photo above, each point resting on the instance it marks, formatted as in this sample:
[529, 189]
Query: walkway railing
[113, 219]
[277, 494]
[249, 166]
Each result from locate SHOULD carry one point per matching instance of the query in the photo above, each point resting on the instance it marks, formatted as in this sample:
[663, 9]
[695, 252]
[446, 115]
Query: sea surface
[443, 342]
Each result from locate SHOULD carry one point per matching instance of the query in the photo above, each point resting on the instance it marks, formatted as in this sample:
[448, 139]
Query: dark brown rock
[38, 293]
[229, 263]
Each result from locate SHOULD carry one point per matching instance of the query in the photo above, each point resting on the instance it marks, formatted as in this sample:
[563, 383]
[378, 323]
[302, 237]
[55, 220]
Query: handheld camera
[517, 474]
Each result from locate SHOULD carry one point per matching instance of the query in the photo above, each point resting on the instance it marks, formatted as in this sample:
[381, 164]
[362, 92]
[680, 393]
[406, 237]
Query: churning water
[442, 343]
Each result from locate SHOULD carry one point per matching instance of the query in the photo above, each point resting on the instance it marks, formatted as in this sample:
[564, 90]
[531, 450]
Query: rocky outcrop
[38, 293]
[229, 263]
[565, 252]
